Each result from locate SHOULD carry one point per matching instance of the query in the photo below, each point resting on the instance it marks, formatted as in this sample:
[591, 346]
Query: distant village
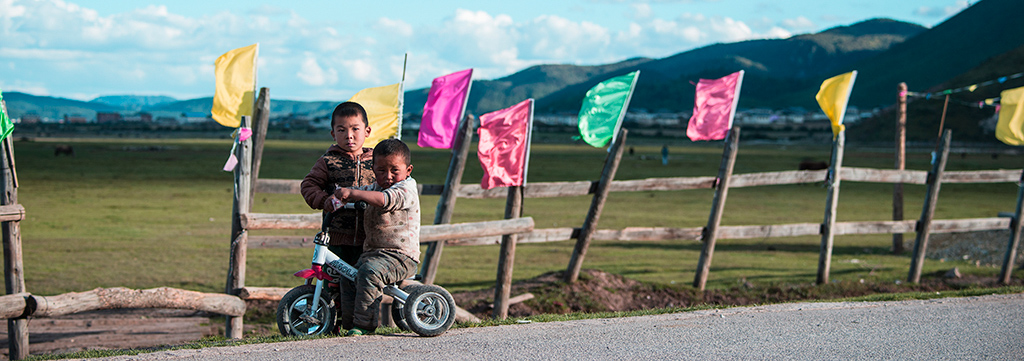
[774, 124]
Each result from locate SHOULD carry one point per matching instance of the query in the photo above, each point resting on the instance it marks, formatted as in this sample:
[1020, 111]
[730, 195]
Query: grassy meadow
[143, 213]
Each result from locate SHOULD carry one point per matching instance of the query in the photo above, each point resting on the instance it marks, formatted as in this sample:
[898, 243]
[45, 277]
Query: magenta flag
[445, 104]
[504, 145]
[714, 106]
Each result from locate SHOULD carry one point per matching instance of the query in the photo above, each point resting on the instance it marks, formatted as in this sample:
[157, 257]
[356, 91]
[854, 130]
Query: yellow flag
[833, 96]
[1010, 129]
[236, 85]
[384, 109]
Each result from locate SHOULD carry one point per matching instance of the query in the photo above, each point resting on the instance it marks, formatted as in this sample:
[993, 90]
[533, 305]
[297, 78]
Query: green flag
[6, 127]
[603, 108]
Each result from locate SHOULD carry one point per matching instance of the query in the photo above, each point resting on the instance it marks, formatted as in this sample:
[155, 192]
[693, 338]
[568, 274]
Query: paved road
[972, 328]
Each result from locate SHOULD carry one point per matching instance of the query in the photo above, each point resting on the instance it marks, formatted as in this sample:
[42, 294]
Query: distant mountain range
[780, 73]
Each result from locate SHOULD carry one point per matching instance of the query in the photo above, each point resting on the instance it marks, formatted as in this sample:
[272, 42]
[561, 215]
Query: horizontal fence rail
[428, 233]
[25, 304]
[581, 188]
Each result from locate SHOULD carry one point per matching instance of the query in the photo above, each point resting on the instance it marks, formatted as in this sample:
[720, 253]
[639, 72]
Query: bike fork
[311, 311]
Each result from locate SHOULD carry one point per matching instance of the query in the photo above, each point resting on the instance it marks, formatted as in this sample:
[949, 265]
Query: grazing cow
[813, 165]
[63, 149]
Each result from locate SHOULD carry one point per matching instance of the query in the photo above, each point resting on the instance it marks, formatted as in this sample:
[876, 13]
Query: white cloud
[799, 23]
[551, 38]
[363, 69]
[659, 37]
[395, 27]
[641, 10]
[942, 11]
[312, 74]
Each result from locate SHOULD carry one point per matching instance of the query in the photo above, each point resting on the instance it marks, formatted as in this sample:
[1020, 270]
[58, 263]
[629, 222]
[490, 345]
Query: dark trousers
[349, 254]
[377, 269]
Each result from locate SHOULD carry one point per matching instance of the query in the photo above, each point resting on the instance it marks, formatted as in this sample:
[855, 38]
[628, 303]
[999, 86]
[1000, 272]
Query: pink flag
[504, 144]
[445, 104]
[714, 106]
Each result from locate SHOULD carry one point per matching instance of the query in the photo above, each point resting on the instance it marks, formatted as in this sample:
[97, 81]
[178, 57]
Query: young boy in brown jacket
[345, 164]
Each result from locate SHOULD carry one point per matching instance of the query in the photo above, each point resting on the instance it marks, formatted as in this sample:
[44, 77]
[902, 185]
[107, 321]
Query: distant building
[108, 117]
[75, 119]
[30, 118]
[141, 117]
[195, 117]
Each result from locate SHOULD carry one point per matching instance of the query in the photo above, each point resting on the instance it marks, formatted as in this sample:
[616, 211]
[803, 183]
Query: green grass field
[143, 213]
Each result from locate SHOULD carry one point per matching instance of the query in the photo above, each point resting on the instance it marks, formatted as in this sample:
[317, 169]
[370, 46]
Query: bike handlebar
[359, 206]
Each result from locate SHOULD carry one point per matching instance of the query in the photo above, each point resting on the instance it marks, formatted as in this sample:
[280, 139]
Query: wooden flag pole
[611, 165]
[260, 121]
[507, 255]
[446, 204]
[1015, 229]
[709, 234]
[928, 210]
[239, 237]
[831, 203]
[901, 164]
[14, 267]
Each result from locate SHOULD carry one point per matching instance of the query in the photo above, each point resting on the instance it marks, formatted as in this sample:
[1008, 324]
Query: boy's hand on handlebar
[343, 194]
[332, 204]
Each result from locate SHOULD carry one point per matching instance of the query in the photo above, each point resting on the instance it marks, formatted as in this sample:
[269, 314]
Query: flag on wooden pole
[714, 106]
[6, 126]
[384, 111]
[603, 108]
[833, 97]
[235, 91]
[1010, 128]
[446, 104]
[504, 146]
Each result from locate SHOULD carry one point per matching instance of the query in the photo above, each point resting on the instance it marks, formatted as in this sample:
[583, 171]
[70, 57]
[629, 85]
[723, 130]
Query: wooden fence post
[507, 256]
[446, 204]
[928, 210]
[239, 236]
[14, 268]
[1015, 229]
[901, 163]
[827, 227]
[260, 120]
[611, 165]
[710, 233]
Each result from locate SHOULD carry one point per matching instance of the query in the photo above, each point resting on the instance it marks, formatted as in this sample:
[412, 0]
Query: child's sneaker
[356, 331]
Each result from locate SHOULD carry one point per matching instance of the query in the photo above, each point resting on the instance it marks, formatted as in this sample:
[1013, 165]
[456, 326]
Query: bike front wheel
[429, 310]
[292, 316]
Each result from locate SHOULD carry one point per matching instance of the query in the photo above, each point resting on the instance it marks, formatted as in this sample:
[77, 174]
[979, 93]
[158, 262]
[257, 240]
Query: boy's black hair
[388, 147]
[348, 109]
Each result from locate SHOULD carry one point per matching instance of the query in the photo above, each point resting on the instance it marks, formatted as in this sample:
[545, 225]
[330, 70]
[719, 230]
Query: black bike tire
[441, 308]
[285, 316]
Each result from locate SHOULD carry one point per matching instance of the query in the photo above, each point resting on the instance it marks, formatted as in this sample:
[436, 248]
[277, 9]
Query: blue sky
[328, 50]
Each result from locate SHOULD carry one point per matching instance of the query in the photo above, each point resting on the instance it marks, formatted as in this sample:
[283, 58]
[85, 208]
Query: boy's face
[390, 170]
[349, 133]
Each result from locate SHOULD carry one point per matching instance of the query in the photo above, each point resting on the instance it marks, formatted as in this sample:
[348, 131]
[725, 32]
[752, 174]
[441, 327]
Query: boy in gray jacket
[391, 250]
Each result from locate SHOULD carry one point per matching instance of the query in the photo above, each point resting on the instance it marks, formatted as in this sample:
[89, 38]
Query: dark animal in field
[813, 165]
[64, 149]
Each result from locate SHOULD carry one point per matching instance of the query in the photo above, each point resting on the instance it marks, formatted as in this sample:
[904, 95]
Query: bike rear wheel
[291, 313]
[429, 310]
